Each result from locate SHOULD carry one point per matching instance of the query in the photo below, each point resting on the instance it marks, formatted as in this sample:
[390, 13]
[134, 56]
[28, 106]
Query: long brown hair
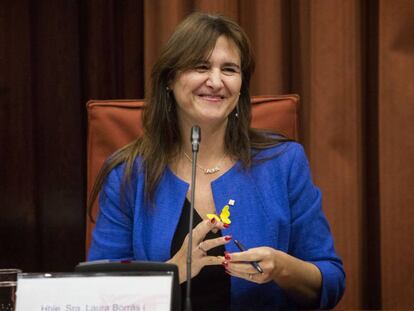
[192, 42]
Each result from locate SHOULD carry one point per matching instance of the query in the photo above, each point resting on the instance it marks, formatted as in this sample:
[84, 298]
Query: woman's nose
[214, 79]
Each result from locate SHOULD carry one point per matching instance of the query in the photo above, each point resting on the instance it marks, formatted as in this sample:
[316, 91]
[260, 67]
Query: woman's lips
[210, 97]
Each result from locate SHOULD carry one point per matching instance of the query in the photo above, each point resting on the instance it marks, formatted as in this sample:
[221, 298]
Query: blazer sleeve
[311, 238]
[112, 236]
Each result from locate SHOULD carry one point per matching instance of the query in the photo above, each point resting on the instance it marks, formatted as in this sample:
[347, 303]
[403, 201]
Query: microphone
[195, 137]
[195, 142]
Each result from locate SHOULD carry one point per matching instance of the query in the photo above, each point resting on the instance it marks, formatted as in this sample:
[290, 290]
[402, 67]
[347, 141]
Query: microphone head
[195, 137]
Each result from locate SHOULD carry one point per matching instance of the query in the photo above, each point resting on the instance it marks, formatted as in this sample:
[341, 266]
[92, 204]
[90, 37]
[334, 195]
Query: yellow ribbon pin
[224, 215]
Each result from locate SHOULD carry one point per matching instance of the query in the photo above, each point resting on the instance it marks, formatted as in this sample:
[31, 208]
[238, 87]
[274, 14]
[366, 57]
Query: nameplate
[94, 292]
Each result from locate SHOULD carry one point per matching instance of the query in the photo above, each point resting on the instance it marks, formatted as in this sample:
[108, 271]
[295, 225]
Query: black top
[210, 289]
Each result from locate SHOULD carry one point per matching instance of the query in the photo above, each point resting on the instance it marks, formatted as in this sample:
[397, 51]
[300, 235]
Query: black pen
[253, 263]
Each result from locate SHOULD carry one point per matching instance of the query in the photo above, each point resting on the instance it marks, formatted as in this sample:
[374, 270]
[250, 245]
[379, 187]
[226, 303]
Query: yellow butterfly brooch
[224, 215]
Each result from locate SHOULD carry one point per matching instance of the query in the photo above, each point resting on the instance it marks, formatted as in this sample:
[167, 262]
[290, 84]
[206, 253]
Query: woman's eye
[201, 67]
[230, 70]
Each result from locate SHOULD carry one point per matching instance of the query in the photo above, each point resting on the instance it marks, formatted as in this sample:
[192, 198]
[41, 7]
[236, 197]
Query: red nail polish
[227, 256]
[213, 220]
[226, 226]
[228, 237]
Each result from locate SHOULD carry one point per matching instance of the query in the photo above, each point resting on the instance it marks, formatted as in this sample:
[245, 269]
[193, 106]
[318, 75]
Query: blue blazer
[276, 205]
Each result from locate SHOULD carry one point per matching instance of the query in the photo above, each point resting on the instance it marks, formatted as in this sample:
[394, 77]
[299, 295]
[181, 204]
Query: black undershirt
[210, 289]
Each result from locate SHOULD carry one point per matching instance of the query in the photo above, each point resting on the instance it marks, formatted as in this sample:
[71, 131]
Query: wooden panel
[371, 261]
[396, 151]
[112, 49]
[19, 239]
[99, 48]
[229, 8]
[271, 51]
[59, 129]
[132, 54]
[327, 74]
[161, 17]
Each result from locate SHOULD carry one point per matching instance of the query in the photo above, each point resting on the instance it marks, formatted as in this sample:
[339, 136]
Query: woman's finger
[212, 243]
[240, 267]
[212, 260]
[253, 254]
[252, 277]
[201, 230]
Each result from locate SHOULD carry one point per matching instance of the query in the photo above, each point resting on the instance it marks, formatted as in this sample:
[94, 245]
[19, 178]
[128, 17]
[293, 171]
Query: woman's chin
[211, 120]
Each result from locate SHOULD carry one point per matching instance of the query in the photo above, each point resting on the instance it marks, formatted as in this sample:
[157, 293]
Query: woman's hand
[301, 280]
[269, 259]
[199, 249]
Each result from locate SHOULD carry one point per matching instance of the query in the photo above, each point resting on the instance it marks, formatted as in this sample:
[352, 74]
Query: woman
[202, 77]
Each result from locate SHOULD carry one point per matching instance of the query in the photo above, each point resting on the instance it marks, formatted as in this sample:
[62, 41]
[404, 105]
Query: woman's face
[208, 93]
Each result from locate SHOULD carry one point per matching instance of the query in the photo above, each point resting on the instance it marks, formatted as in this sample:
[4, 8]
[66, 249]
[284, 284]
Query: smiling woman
[207, 94]
[260, 181]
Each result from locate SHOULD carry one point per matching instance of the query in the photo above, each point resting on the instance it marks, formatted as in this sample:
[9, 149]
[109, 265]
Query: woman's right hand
[199, 249]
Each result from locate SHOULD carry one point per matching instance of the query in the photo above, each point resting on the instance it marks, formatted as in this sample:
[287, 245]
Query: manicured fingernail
[228, 237]
[225, 263]
[213, 220]
[227, 256]
[226, 226]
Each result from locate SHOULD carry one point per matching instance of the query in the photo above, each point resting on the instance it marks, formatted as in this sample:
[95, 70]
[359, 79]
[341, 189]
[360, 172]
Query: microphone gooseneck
[195, 142]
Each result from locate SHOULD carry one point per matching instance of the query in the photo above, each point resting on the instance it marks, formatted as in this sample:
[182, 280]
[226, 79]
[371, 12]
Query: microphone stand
[195, 141]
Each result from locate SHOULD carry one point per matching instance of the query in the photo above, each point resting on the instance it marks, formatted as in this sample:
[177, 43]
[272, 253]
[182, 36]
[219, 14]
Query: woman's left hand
[301, 280]
[269, 259]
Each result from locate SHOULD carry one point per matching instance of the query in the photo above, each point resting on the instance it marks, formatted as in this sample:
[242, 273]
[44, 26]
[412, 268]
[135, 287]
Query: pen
[253, 263]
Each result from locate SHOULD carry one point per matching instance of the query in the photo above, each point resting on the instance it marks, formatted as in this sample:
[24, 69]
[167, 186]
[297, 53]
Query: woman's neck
[212, 146]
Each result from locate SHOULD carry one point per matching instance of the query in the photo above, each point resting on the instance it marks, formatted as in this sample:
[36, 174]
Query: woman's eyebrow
[226, 64]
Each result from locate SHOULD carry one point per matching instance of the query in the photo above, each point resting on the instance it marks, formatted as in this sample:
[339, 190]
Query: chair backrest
[114, 123]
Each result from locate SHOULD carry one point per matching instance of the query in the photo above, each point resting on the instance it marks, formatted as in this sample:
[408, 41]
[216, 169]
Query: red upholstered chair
[114, 123]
